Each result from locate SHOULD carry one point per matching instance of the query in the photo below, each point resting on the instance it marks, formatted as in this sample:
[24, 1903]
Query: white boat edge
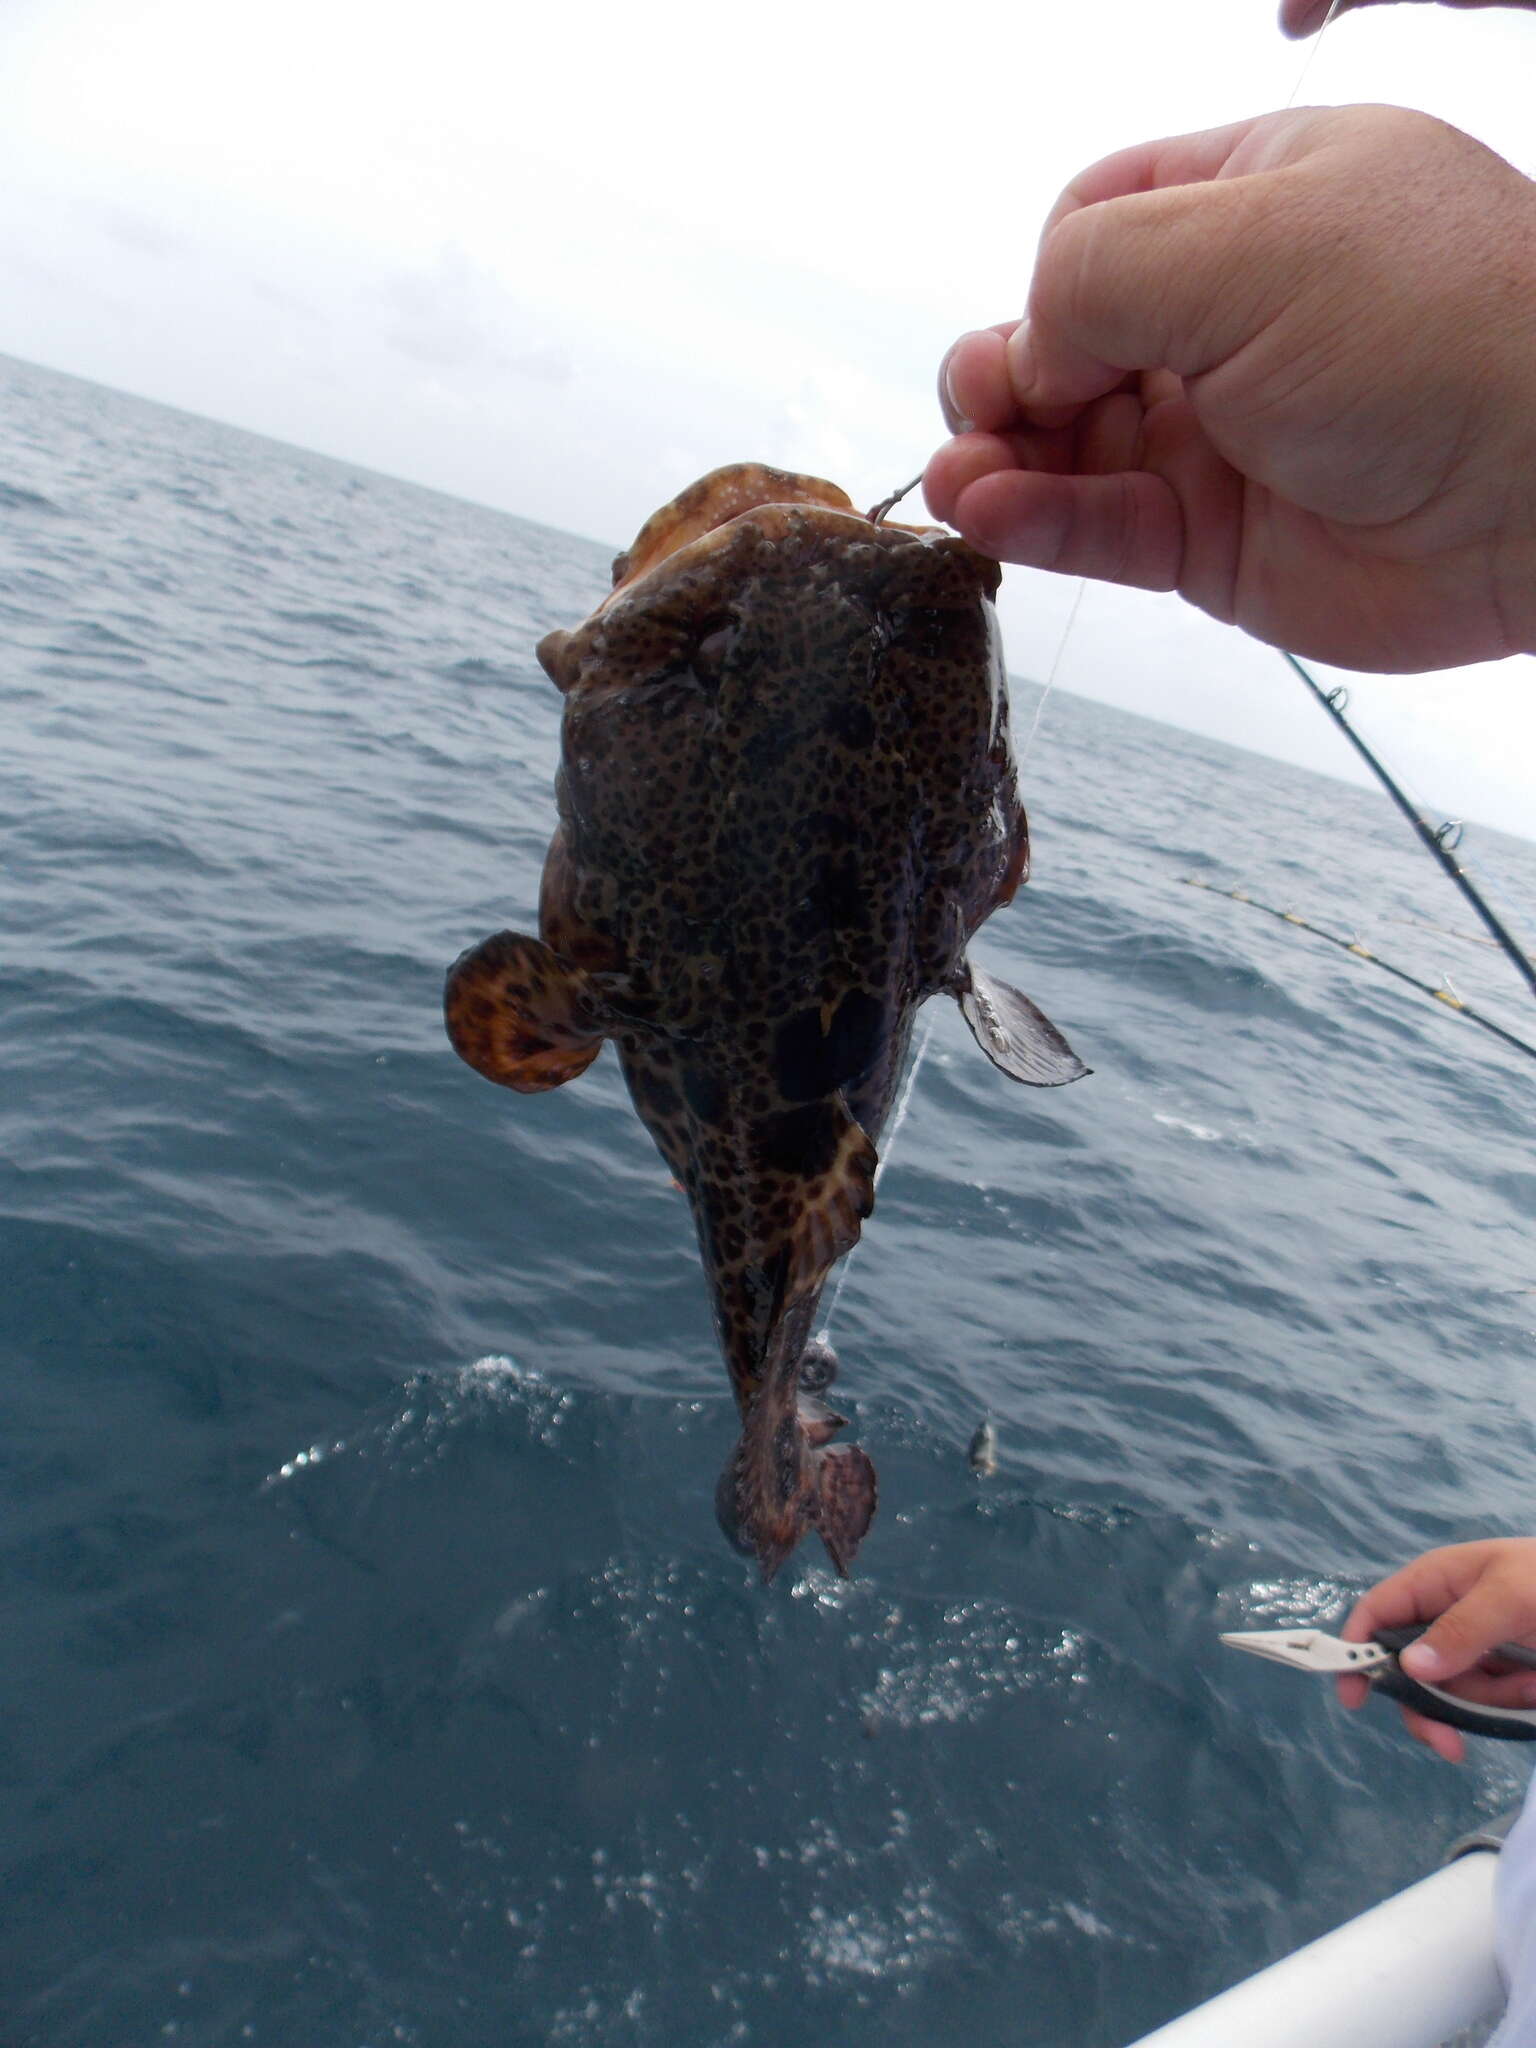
[1410, 1973]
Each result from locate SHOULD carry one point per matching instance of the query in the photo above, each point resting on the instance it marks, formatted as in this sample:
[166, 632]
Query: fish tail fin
[785, 1476]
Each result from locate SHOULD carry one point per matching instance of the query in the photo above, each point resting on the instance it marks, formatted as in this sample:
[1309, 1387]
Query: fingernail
[954, 418]
[1021, 360]
[1422, 1660]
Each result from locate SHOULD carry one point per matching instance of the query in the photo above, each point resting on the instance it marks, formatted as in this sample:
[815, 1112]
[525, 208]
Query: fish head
[773, 673]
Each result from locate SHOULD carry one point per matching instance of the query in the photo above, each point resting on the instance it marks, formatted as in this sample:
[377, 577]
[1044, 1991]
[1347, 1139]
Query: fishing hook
[877, 513]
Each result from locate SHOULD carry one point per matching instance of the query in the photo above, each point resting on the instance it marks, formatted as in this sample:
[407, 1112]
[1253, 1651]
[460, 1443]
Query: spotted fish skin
[787, 799]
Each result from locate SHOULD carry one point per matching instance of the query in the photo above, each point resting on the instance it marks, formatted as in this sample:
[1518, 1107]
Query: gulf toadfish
[787, 799]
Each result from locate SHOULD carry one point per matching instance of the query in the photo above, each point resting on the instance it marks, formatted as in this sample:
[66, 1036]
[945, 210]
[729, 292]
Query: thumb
[1299, 18]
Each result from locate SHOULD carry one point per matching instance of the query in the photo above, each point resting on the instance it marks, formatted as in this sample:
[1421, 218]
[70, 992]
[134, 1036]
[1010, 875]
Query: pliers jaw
[1314, 1650]
[1311, 1649]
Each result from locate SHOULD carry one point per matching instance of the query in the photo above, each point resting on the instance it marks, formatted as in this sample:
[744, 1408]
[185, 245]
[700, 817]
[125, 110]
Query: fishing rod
[1442, 841]
[1444, 994]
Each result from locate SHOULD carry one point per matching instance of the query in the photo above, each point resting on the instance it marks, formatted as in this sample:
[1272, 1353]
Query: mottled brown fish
[787, 799]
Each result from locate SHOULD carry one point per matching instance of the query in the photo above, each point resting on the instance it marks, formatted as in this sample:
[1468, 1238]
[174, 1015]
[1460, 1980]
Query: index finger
[1419, 1592]
[1473, 1595]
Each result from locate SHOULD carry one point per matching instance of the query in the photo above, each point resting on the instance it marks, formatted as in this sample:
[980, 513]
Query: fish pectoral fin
[1014, 1035]
[520, 1016]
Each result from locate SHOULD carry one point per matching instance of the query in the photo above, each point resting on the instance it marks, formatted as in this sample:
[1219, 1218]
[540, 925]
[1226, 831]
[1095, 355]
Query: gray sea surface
[374, 1671]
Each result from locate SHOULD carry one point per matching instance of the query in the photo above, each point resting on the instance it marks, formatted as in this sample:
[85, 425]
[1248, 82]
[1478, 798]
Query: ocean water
[374, 1671]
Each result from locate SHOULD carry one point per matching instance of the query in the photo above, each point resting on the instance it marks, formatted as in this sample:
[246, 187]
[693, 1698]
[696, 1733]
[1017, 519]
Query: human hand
[1305, 17]
[1287, 368]
[1475, 1595]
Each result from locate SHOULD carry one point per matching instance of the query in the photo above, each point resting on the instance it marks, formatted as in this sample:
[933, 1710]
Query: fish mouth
[713, 502]
[707, 516]
[689, 558]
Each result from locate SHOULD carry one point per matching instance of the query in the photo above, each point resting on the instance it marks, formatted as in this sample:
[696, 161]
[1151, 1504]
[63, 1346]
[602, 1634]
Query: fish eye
[922, 628]
[712, 647]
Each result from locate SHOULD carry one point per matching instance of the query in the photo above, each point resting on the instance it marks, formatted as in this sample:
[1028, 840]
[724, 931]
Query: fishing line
[1445, 931]
[904, 1101]
[1311, 57]
[876, 516]
[1444, 994]
[903, 1104]
[1442, 842]
[1334, 8]
[1050, 681]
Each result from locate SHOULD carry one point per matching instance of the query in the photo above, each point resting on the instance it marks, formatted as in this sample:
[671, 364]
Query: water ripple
[375, 1670]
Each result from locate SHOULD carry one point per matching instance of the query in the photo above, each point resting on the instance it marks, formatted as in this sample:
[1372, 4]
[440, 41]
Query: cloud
[660, 266]
[458, 315]
[139, 232]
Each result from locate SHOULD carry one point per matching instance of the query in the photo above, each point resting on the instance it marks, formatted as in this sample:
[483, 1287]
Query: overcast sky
[563, 259]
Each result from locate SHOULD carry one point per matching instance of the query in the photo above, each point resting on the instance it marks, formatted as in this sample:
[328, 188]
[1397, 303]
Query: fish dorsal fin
[520, 1016]
[1016, 1036]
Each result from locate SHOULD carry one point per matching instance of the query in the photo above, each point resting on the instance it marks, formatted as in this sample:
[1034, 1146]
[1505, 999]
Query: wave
[15, 498]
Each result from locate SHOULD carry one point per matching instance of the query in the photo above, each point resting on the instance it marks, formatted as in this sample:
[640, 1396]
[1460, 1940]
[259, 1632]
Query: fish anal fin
[847, 1495]
[519, 1015]
[1014, 1035]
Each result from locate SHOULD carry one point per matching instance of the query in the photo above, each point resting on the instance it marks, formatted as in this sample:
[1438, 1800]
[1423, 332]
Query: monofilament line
[903, 1104]
[877, 514]
[1317, 44]
[1050, 681]
[904, 1101]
